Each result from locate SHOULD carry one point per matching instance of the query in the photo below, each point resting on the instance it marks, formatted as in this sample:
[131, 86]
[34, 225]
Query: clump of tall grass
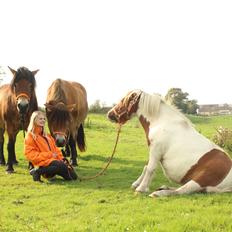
[223, 138]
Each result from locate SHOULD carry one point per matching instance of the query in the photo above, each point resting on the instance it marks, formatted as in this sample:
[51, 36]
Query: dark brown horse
[17, 102]
[66, 110]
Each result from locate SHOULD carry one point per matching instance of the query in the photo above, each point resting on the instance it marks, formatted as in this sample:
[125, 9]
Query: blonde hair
[31, 126]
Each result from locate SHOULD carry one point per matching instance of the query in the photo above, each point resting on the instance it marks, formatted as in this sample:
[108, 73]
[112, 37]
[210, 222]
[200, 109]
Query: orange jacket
[39, 150]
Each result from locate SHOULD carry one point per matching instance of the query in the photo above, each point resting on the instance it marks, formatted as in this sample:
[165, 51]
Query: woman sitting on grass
[40, 149]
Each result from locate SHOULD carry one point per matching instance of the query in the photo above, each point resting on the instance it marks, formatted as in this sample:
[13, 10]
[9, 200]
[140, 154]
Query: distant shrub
[98, 107]
[223, 138]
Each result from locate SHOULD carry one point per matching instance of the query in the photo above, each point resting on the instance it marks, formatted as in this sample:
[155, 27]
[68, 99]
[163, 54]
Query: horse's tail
[81, 138]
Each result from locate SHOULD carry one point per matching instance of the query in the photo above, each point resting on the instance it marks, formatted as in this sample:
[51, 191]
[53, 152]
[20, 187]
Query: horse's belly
[173, 172]
[175, 168]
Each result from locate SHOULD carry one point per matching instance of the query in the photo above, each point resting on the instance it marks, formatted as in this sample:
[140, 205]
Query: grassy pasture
[107, 203]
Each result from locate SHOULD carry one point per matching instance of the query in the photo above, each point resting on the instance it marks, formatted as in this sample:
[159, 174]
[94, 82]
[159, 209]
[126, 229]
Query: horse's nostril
[112, 117]
[60, 142]
[22, 107]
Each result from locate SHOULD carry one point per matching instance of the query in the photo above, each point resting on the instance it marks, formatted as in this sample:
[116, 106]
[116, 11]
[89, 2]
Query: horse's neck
[169, 114]
[164, 114]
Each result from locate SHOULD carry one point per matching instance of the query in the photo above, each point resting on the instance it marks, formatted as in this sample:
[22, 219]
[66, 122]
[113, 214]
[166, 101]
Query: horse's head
[59, 120]
[124, 110]
[23, 85]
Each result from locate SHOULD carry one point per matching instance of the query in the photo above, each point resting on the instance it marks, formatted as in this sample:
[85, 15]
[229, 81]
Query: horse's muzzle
[112, 117]
[22, 107]
[60, 141]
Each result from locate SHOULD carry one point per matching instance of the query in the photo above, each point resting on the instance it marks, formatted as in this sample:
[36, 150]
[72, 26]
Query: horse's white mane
[150, 105]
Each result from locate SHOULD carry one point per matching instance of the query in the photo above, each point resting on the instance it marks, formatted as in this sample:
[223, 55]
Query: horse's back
[4, 101]
[74, 93]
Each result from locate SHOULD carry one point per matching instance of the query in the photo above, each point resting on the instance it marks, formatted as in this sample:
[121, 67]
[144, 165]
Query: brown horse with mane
[66, 110]
[17, 103]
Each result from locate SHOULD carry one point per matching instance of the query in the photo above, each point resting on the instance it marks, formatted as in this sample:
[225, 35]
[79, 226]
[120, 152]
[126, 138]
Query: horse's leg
[15, 161]
[149, 170]
[189, 187]
[72, 144]
[164, 187]
[2, 158]
[139, 180]
[67, 150]
[11, 152]
[211, 189]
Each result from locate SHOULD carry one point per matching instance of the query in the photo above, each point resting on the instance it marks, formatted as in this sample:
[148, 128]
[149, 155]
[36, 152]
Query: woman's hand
[54, 155]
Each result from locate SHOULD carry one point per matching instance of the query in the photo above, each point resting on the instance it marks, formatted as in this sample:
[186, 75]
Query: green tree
[192, 107]
[180, 99]
[95, 107]
[177, 98]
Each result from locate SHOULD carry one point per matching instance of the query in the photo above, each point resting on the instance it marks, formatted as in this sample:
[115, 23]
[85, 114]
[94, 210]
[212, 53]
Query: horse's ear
[48, 107]
[71, 107]
[12, 70]
[34, 72]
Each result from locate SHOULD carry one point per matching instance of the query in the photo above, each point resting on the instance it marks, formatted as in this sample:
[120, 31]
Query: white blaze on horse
[186, 156]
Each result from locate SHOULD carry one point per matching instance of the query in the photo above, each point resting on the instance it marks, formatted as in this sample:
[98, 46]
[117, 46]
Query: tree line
[175, 96]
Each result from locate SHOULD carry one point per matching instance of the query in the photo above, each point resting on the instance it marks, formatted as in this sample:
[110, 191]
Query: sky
[112, 47]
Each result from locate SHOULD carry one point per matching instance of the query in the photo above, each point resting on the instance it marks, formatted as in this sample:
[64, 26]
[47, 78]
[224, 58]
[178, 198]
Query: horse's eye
[132, 96]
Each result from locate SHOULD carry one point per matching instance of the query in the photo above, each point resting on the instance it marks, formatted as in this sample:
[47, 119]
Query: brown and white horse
[66, 109]
[17, 103]
[186, 156]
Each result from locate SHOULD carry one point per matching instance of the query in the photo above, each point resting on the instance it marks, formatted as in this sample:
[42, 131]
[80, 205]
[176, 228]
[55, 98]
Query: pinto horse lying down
[186, 156]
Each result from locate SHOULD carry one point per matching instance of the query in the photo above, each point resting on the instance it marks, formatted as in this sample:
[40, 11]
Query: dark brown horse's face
[22, 91]
[22, 86]
[124, 110]
[59, 121]
[60, 134]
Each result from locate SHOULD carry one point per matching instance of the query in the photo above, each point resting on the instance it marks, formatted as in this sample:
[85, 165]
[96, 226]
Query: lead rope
[22, 120]
[108, 163]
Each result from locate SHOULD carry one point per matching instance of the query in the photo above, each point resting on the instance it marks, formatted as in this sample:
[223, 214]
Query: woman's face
[40, 120]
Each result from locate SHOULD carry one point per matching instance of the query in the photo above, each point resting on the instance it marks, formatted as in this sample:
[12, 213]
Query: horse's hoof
[74, 163]
[136, 193]
[10, 171]
[153, 195]
[134, 185]
[138, 189]
[2, 163]
[15, 162]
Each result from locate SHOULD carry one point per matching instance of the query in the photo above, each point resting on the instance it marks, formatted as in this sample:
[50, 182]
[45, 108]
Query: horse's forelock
[58, 117]
[23, 73]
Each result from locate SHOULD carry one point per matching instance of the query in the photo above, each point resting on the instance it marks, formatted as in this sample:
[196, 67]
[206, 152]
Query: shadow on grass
[115, 160]
[114, 179]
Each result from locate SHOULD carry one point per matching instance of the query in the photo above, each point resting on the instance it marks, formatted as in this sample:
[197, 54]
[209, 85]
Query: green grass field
[107, 203]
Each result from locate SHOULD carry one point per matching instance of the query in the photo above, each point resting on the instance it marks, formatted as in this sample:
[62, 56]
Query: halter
[62, 133]
[124, 112]
[23, 95]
